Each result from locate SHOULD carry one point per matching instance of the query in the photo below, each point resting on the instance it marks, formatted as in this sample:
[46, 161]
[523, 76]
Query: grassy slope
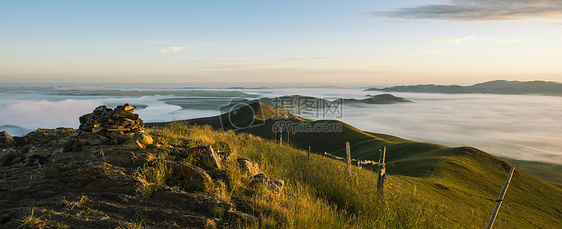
[460, 184]
[547, 172]
[319, 193]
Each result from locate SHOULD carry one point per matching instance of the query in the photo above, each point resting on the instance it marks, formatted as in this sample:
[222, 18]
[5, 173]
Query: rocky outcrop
[96, 186]
[105, 176]
[6, 140]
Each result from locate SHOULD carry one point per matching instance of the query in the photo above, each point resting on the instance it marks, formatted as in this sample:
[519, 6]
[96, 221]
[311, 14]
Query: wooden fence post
[308, 152]
[348, 151]
[382, 170]
[500, 199]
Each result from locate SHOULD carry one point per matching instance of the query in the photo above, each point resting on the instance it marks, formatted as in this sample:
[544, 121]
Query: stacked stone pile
[106, 126]
[104, 120]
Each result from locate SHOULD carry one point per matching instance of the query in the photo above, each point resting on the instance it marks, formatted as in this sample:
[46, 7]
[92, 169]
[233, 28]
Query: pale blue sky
[376, 42]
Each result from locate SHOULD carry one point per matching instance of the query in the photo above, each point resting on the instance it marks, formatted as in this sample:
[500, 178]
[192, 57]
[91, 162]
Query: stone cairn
[104, 120]
[106, 126]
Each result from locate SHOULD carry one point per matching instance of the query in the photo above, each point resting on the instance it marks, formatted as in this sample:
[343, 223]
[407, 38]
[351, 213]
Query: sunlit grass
[320, 194]
[31, 220]
[131, 225]
[158, 174]
[78, 203]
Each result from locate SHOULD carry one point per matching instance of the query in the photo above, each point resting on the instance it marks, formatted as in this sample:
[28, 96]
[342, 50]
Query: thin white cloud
[316, 58]
[481, 10]
[172, 49]
[469, 39]
[506, 40]
[457, 40]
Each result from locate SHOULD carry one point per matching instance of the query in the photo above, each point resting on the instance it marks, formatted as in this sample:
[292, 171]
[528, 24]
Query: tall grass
[319, 193]
[31, 220]
[158, 174]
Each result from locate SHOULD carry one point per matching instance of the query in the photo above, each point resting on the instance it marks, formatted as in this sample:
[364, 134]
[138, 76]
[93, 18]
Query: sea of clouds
[511, 126]
[52, 111]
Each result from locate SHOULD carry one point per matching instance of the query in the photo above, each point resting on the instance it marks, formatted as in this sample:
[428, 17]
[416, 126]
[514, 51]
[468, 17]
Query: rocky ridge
[106, 175]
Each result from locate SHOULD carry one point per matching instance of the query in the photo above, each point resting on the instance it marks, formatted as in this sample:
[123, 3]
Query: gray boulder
[207, 156]
[187, 175]
[248, 167]
[272, 183]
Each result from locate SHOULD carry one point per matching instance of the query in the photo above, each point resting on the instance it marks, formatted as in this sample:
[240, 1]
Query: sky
[362, 43]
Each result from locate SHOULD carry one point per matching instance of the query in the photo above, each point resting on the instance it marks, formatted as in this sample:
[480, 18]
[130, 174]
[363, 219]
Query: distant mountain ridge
[14, 130]
[492, 87]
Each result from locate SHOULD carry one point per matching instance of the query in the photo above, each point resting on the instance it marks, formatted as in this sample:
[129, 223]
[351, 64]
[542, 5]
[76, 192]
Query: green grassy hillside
[457, 185]
[546, 171]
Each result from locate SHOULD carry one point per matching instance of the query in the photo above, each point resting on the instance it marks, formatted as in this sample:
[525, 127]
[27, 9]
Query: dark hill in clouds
[491, 87]
[378, 99]
[465, 177]
[14, 130]
[303, 101]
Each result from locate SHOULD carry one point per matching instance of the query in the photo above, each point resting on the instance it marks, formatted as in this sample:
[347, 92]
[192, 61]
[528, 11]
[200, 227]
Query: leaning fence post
[348, 151]
[382, 170]
[500, 199]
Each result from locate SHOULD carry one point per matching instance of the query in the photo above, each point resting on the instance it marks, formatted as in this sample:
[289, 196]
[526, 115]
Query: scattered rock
[38, 155]
[243, 216]
[217, 174]
[20, 140]
[207, 156]
[273, 183]
[188, 175]
[144, 138]
[198, 202]
[248, 167]
[133, 145]
[9, 156]
[225, 158]
[80, 138]
[6, 140]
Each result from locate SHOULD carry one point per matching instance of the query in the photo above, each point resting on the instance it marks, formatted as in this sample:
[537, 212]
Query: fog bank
[519, 127]
[511, 126]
